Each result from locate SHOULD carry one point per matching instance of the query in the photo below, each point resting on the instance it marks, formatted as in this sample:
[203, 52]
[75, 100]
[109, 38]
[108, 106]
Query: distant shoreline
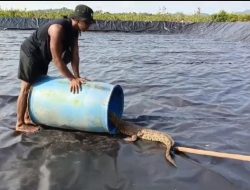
[222, 16]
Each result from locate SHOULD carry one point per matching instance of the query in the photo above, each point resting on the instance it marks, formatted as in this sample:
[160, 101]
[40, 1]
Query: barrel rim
[112, 129]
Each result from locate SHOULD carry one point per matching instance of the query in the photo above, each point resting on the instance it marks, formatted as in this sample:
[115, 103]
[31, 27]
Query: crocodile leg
[168, 157]
[133, 138]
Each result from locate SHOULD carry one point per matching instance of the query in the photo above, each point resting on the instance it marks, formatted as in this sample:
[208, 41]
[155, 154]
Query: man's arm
[75, 59]
[75, 62]
[56, 37]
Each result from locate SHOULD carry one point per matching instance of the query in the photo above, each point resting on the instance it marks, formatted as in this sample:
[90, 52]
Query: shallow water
[195, 89]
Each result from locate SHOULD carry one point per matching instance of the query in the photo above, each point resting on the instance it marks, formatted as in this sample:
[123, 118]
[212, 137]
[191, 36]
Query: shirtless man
[57, 40]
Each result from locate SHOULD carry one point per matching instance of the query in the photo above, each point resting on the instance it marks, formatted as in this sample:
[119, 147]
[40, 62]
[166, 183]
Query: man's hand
[76, 84]
[84, 80]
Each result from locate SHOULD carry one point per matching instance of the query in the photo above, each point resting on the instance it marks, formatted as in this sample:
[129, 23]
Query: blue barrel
[52, 104]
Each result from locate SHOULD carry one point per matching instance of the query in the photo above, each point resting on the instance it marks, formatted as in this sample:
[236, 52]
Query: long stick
[213, 153]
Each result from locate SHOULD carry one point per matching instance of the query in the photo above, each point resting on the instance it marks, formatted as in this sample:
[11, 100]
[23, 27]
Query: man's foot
[29, 122]
[28, 128]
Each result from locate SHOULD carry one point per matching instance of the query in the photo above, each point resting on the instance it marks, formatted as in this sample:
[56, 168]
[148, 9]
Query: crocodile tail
[169, 158]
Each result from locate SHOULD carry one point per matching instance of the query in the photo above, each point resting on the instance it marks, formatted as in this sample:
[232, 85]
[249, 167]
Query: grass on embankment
[222, 16]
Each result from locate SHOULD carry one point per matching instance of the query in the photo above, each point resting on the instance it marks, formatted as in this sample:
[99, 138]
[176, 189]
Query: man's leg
[21, 109]
[27, 119]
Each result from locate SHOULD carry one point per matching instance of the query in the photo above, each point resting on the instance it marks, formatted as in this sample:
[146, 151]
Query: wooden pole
[213, 153]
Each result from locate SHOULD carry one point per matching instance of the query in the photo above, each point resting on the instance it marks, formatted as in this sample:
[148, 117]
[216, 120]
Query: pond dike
[237, 31]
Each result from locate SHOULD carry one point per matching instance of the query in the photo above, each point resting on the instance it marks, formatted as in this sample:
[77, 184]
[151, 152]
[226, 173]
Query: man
[54, 40]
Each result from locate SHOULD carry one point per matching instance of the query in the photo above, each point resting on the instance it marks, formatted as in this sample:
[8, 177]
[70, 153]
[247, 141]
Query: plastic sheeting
[239, 31]
[118, 26]
[75, 160]
[149, 27]
[195, 89]
[21, 23]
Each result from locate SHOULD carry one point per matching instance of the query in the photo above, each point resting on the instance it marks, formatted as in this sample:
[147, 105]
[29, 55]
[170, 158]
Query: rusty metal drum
[52, 104]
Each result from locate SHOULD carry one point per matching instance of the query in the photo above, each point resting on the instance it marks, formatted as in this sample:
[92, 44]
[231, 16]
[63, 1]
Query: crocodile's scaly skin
[135, 132]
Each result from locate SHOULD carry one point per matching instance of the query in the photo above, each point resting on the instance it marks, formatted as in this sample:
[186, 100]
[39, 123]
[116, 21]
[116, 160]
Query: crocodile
[134, 132]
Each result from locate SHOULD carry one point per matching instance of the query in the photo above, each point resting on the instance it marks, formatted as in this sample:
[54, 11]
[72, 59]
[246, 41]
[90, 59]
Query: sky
[186, 7]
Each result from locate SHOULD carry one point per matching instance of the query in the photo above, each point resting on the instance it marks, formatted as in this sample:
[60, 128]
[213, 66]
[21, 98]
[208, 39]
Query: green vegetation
[222, 16]
[47, 14]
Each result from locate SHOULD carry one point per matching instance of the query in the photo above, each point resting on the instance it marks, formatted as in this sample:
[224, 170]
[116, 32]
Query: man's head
[84, 15]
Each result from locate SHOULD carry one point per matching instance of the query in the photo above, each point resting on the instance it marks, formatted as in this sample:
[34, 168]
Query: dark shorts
[31, 65]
